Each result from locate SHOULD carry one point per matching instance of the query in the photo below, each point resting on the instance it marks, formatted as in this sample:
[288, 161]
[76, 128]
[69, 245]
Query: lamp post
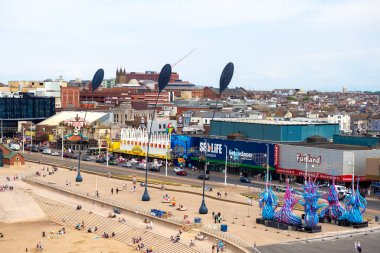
[163, 80]
[224, 81]
[267, 156]
[31, 134]
[225, 168]
[23, 140]
[96, 82]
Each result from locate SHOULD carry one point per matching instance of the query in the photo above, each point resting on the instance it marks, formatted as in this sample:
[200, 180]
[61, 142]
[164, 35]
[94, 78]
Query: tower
[121, 76]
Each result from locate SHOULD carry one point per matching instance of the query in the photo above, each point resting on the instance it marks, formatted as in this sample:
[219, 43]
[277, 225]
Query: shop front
[248, 157]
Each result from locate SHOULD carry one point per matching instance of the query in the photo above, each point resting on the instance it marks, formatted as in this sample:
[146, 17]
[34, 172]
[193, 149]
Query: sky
[307, 44]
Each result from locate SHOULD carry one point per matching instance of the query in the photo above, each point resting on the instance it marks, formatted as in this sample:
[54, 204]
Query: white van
[342, 191]
[15, 147]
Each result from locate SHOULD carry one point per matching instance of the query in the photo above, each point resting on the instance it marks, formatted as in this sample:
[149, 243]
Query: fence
[108, 201]
[215, 231]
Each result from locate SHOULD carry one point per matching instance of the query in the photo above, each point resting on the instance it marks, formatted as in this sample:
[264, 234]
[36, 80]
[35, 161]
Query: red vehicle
[180, 172]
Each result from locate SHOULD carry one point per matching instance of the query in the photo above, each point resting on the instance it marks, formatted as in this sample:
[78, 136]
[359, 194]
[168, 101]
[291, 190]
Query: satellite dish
[226, 77]
[97, 79]
[164, 77]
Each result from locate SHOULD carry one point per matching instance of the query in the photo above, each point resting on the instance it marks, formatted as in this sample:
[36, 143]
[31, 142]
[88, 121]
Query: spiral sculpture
[285, 214]
[268, 202]
[334, 210]
[310, 202]
[355, 206]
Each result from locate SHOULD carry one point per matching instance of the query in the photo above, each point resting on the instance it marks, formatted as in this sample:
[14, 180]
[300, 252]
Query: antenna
[183, 58]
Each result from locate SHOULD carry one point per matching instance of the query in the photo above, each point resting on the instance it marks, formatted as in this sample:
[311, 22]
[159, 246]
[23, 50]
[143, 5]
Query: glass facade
[27, 107]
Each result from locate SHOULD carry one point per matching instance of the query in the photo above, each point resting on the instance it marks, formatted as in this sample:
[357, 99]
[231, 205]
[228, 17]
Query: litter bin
[197, 220]
[376, 218]
[223, 227]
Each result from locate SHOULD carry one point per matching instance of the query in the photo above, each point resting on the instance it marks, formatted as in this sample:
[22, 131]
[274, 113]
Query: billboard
[248, 154]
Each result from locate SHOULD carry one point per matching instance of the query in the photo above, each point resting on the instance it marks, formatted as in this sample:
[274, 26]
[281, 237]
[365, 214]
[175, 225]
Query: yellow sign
[137, 150]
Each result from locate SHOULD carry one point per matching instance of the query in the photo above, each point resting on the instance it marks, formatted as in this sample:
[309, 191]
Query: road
[215, 177]
[369, 243]
[191, 178]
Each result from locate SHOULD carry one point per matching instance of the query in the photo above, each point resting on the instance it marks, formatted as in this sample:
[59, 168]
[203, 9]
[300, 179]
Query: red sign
[276, 155]
[341, 178]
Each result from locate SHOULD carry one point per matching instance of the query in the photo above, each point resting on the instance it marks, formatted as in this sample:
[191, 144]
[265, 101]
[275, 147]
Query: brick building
[124, 77]
[10, 157]
[70, 97]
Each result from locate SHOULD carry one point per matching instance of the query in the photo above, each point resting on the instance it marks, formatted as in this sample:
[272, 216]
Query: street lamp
[96, 82]
[163, 80]
[23, 140]
[224, 81]
[225, 168]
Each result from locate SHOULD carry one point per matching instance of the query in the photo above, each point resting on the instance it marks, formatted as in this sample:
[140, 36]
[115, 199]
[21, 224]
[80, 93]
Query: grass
[150, 181]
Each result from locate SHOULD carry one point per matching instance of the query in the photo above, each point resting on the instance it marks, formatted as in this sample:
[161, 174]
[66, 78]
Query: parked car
[155, 167]
[342, 191]
[15, 146]
[141, 166]
[245, 180]
[101, 160]
[86, 158]
[74, 156]
[67, 155]
[28, 147]
[127, 165]
[180, 172]
[112, 162]
[202, 175]
[34, 149]
[54, 154]
[42, 148]
[177, 169]
[47, 151]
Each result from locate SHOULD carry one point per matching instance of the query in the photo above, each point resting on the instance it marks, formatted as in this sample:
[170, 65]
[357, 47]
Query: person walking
[111, 190]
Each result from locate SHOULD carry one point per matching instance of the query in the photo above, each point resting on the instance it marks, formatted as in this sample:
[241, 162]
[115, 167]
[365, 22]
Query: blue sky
[304, 44]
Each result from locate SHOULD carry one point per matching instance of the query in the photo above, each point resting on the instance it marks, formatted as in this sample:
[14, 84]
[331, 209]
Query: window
[159, 126]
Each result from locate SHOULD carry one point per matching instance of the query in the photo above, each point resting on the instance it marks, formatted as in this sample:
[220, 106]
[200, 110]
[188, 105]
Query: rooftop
[272, 122]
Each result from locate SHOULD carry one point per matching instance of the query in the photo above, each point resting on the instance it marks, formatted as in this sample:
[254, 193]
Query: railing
[108, 201]
[210, 229]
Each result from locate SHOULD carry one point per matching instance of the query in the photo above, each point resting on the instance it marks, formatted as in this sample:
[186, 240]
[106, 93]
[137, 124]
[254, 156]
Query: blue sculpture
[285, 214]
[334, 209]
[310, 202]
[268, 202]
[354, 202]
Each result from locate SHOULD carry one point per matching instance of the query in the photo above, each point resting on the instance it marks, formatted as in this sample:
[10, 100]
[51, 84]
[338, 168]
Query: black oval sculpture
[164, 77]
[226, 77]
[97, 79]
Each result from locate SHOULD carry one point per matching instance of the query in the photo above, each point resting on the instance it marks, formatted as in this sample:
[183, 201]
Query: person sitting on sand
[1, 235]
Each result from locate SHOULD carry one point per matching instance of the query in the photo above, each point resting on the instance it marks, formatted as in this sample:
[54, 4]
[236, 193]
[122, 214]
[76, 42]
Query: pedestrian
[215, 218]
[117, 190]
[213, 214]
[111, 190]
[213, 248]
[356, 246]
[134, 188]
[359, 247]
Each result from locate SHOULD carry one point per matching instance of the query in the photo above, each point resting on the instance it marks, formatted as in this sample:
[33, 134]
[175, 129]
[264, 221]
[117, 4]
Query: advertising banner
[242, 153]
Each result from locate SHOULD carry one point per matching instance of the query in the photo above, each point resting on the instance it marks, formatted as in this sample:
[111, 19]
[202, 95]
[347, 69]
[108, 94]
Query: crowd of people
[6, 188]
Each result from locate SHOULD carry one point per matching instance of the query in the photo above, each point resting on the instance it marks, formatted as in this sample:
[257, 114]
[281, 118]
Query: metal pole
[267, 181]
[145, 196]
[23, 140]
[203, 209]
[99, 143]
[31, 134]
[225, 168]
[2, 131]
[353, 172]
[62, 129]
[166, 159]
[107, 150]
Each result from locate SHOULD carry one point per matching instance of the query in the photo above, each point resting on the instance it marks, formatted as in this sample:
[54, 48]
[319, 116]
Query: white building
[343, 119]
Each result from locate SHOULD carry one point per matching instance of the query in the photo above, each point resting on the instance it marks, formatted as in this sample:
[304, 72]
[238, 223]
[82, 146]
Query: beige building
[373, 168]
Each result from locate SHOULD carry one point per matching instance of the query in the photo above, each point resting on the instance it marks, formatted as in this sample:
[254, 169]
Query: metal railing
[112, 202]
[215, 231]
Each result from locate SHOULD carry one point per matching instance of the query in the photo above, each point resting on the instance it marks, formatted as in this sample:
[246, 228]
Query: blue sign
[242, 153]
